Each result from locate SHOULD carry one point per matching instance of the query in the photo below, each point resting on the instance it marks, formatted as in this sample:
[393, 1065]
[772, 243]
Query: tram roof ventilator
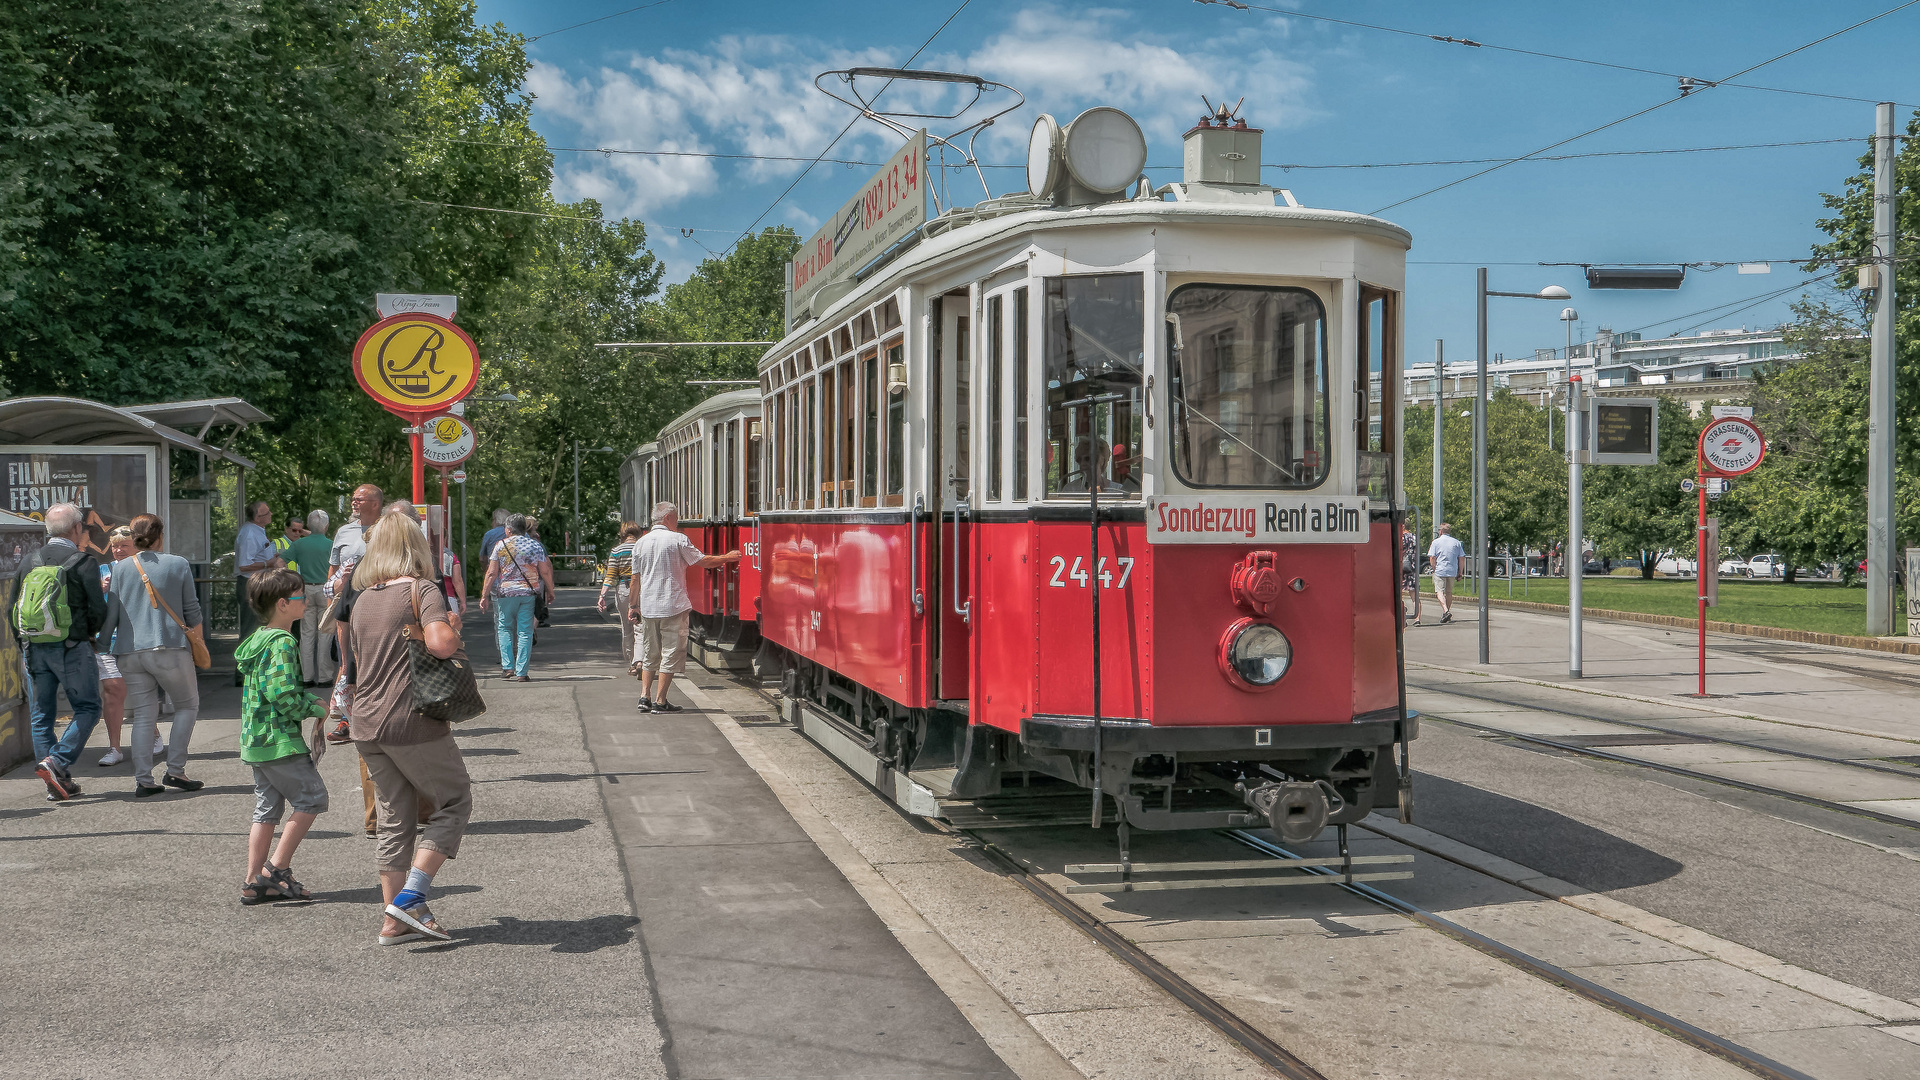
[1222, 163]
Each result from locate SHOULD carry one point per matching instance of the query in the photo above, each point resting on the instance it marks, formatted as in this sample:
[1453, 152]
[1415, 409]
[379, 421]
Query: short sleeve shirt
[251, 547]
[1446, 553]
[516, 561]
[660, 562]
[383, 677]
[349, 545]
[313, 552]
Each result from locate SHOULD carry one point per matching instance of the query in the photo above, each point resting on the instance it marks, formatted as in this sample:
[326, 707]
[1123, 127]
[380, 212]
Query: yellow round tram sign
[416, 363]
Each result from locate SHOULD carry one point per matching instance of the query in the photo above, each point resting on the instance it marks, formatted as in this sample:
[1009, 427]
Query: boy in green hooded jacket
[272, 705]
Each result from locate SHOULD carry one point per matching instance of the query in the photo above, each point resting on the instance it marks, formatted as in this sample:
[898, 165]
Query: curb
[1896, 646]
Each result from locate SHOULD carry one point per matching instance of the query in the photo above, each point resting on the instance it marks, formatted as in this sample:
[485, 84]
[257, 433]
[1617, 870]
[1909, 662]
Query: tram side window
[754, 449]
[1248, 383]
[1020, 382]
[731, 508]
[963, 406]
[849, 425]
[777, 438]
[829, 435]
[810, 441]
[1094, 349]
[870, 428]
[896, 434]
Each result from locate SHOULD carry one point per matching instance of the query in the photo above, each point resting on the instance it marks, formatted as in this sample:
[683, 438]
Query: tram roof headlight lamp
[1043, 156]
[1254, 655]
[1105, 150]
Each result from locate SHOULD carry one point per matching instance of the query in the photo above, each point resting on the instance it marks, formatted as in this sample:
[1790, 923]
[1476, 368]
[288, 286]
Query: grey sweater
[134, 624]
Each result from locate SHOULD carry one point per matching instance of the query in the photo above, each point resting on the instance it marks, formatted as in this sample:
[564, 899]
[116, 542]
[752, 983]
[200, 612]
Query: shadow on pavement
[525, 827]
[372, 895]
[1532, 836]
[564, 935]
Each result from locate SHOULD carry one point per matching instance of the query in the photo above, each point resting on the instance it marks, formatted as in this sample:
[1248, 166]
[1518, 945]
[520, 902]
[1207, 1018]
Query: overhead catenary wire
[1648, 109]
[601, 19]
[843, 131]
[1692, 81]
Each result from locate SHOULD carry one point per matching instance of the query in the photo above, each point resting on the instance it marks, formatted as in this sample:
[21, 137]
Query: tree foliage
[1526, 477]
[1639, 511]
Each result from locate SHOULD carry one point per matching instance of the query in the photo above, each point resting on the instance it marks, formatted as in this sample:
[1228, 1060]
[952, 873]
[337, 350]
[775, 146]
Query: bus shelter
[113, 462]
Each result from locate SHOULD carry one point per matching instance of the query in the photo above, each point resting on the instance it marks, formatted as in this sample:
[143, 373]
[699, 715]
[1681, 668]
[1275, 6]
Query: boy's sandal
[278, 884]
[253, 892]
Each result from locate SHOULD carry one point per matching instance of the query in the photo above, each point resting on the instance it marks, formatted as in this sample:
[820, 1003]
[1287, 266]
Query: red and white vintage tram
[707, 463]
[1079, 486]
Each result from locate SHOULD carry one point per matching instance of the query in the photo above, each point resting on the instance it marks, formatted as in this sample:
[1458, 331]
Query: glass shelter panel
[1247, 369]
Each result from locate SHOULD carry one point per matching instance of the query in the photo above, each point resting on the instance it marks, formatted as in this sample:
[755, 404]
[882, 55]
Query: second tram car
[1177, 378]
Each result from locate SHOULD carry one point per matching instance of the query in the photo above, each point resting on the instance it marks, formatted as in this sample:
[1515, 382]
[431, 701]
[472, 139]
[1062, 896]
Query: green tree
[1526, 478]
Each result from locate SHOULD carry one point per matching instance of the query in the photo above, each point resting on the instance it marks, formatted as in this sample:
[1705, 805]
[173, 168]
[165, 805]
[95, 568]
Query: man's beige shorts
[663, 644]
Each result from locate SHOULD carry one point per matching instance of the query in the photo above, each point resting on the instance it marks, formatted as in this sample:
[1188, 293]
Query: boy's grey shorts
[289, 780]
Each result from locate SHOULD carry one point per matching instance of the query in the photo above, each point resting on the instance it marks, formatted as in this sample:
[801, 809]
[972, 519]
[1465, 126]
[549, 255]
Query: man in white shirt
[1447, 554]
[657, 602]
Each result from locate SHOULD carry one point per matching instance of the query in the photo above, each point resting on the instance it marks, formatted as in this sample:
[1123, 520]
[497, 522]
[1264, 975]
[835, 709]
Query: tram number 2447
[1062, 573]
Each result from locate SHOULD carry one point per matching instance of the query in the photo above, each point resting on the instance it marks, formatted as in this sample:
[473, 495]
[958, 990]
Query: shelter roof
[199, 416]
[69, 421]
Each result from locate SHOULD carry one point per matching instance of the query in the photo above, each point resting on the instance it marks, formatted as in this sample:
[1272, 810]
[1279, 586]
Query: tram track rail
[1283, 1061]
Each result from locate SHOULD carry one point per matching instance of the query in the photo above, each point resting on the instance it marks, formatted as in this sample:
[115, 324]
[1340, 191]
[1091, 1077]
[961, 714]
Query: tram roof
[732, 400]
[935, 248]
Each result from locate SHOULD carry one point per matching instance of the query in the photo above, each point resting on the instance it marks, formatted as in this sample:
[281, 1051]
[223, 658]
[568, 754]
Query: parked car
[1765, 566]
[1673, 565]
[1735, 567]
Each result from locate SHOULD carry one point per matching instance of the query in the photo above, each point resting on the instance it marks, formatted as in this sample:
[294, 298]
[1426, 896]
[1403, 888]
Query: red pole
[1700, 568]
[419, 463]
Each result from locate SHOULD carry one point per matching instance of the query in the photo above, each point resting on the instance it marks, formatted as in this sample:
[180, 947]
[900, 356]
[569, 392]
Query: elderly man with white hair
[310, 555]
[65, 580]
[657, 603]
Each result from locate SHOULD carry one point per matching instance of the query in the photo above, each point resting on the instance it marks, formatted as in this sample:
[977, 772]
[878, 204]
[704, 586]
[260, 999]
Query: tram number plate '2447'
[1242, 519]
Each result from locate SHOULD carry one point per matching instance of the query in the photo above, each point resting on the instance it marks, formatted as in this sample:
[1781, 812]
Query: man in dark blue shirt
[493, 535]
[69, 664]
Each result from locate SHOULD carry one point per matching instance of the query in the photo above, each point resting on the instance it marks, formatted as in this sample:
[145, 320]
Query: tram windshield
[1094, 351]
[1248, 371]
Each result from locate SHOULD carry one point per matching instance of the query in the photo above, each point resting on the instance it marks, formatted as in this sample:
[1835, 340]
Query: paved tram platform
[631, 900]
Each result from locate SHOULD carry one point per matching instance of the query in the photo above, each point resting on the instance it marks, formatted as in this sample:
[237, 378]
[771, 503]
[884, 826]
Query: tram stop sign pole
[416, 364]
[1730, 446]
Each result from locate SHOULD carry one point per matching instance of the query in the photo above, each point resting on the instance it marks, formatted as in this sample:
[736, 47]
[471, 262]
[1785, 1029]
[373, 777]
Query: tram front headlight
[1255, 655]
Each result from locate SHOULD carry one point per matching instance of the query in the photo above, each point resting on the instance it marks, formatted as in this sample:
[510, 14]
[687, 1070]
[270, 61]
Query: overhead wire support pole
[1881, 543]
[1480, 461]
[1439, 422]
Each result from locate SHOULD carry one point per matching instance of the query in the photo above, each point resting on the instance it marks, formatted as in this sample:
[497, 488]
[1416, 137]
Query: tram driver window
[1247, 371]
[1094, 352]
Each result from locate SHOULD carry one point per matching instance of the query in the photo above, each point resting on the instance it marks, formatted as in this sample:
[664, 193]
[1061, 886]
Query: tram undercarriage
[1294, 779]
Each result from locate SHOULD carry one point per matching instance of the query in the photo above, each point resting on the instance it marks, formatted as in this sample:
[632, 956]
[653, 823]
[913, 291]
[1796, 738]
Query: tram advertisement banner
[1272, 519]
[893, 204]
[109, 484]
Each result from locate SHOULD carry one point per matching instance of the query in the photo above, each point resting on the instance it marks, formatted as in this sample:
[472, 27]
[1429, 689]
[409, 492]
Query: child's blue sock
[415, 892]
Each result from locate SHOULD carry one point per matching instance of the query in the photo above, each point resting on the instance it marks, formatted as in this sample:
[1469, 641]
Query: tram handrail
[965, 611]
[913, 554]
[757, 541]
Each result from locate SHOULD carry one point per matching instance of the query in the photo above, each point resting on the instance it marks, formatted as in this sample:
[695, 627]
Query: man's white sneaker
[159, 746]
[112, 757]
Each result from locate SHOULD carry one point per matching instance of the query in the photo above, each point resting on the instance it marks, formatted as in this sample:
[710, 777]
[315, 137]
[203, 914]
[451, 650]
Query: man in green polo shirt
[309, 554]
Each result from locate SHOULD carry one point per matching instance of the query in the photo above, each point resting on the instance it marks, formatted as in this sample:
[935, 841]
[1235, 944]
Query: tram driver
[1118, 479]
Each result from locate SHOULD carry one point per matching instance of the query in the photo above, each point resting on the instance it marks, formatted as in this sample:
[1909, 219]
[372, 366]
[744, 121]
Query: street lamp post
[1551, 292]
[1576, 513]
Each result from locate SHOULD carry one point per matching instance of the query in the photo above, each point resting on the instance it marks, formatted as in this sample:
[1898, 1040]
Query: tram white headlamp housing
[1254, 655]
[1105, 150]
[1043, 156]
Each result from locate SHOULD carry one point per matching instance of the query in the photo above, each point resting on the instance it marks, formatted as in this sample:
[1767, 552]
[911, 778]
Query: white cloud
[755, 95]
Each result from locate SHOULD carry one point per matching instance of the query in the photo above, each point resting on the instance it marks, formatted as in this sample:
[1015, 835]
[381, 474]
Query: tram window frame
[1021, 383]
[1065, 428]
[863, 328]
[890, 315]
[963, 402]
[829, 440]
[1315, 446]
[1379, 343]
[736, 444]
[776, 436]
[894, 457]
[996, 363]
[870, 427]
[751, 454]
[842, 342]
[849, 430]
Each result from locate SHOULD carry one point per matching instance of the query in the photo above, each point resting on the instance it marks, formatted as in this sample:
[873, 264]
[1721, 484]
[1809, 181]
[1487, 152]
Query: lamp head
[1554, 292]
[1568, 315]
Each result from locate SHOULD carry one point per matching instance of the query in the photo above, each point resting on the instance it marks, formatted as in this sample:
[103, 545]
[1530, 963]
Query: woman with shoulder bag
[411, 757]
[153, 621]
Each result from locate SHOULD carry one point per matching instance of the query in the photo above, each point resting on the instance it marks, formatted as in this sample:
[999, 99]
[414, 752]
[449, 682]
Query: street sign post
[416, 365]
[1913, 592]
[1730, 446]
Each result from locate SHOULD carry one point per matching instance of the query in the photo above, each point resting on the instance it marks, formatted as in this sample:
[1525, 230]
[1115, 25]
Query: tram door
[949, 355]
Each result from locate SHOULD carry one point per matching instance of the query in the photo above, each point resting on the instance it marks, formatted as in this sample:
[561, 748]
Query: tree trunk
[1786, 573]
[1647, 565]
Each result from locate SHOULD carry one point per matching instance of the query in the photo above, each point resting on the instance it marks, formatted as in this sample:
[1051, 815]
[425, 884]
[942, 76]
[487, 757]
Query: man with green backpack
[58, 607]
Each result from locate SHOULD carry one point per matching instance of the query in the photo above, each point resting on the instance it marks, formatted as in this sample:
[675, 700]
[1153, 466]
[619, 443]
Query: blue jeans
[513, 629]
[50, 669]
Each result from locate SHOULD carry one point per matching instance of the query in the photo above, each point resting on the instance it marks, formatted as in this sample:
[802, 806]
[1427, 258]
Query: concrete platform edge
[1891, 1010]
[1019, 1044]
[1897, 646]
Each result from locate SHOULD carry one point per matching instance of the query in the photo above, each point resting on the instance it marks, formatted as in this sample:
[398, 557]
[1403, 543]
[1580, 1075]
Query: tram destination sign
[892, 204]
[1272, 519]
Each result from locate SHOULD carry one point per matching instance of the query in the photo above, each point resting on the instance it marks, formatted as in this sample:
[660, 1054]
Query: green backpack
[41, 613]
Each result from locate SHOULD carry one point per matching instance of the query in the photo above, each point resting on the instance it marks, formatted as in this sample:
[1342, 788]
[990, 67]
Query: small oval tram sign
[446, 442]
[1732, 445]
[415, 363]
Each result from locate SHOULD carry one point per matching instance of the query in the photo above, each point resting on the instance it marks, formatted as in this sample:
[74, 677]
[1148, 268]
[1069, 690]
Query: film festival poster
[109, 489]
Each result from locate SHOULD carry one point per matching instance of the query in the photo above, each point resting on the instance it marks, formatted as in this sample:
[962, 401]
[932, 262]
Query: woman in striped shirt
[619, 573]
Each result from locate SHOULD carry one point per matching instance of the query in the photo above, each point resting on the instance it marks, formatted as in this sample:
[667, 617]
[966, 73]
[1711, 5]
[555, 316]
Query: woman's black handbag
[443, 689]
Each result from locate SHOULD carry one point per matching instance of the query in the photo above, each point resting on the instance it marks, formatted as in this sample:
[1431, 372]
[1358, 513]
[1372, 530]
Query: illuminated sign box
[1625, 431]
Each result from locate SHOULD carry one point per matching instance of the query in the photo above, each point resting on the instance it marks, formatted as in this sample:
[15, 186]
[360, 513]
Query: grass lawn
[1821, 607]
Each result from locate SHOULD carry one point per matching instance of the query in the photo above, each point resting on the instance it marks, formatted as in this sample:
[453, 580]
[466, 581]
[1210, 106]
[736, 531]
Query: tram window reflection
[1094, 347]
[1248, 384]
[896, 433]
[1020, 383]
[996, 367]
[870, 427]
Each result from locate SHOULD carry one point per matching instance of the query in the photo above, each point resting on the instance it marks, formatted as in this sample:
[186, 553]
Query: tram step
[1023, 812]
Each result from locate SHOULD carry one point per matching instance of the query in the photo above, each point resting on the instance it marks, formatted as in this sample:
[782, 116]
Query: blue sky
[736, 78]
